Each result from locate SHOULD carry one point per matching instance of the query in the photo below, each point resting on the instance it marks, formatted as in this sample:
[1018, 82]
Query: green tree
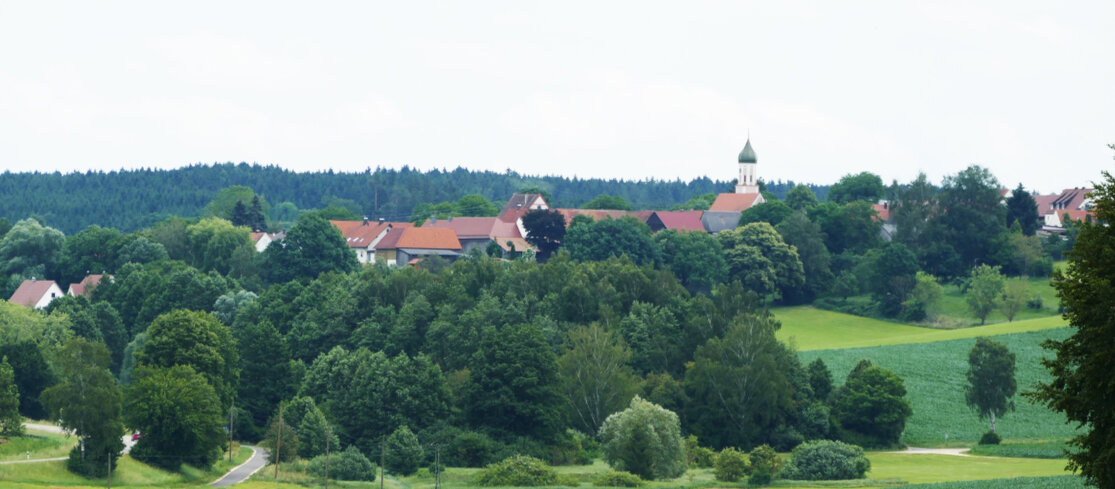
[731, 465]
[911, 211]
[854, 226]
[804, 235]
[589, 240]
[28, 250]
[545, 231]
[1015, 294]
[985, 289]
[594, 375]
[224, 203]
[1081, 387]
[404, 452]
[893, 276]
[475, 205]
[870, 409]
[311, 247]
[93, 250]
[314, 433]
[801, 198]
[820, 379]
[213, 242]
[696, 258]
[139, 250]
[1022, 208]
[966, 224]
[761, 260]
[865, 186]
[11, 423]
[265, 370]
[32, 375]
[281, 441]
[88, 402]
[644, 439]
[179, 415]
[604, 201]
[771, 212]
[923, 299]
[991, 383]
[197, 339]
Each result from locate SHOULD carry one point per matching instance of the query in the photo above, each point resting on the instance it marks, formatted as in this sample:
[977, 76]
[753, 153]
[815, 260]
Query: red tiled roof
[1072, 198]
[86, 285]
[883, 211]
[734, 202]
[1077, 215]
[681, 220]
[1045, 203]
[518, 205]
[30, 291]
[360, 234]
[597, 214]
[428, 238]
[390, 239]
[477, 227]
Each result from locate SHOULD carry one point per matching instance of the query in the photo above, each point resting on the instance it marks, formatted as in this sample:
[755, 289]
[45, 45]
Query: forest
[485, 357]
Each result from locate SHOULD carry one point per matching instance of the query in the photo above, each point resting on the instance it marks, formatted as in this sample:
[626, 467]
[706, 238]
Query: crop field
[1056, 482]
[1040, 449]
[809, 328]
[935, 378]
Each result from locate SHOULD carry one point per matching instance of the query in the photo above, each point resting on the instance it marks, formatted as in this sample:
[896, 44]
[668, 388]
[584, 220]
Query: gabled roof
[883, 210]
[31, 291]
[676, 220]
[716, 221]
[735, 202]
[1045, 203]
[1072, 198]
[428, 238]
[390, 239]
[598, 214]
[520, 244]
[476, 227]
[361, 234]
[86, 285]
[520, 204]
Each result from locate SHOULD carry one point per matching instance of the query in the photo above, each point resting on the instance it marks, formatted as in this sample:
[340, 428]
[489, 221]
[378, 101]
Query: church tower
[748, 182]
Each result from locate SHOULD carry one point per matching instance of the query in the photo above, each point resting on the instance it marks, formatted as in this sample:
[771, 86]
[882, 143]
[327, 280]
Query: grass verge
[1040, 449]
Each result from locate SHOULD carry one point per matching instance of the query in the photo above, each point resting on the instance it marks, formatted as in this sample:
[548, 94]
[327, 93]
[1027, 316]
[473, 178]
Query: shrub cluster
[990, 438]
[348, 465]
[826, 460]
[765, 465]
[617, 478]
[518, 471]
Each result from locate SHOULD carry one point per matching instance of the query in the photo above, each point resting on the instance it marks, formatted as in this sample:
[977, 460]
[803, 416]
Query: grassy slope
[935, 378]
[129, 473]
[815, 329]
[41, 444]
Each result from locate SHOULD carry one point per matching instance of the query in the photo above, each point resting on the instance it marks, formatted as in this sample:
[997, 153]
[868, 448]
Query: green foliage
[765, 465]
[469, 449]
[985, 289]
[820, 379]
[893, 276]
[1022, 208]
[801, 198]
[699, 456]
[517, 471]
[197, 339]
[731, 465]
[826, 460]
[213, 243]
[29, 250]
[617, 478]
[805, 235]
[604, 201]
[863, 186]
[347, 465]
[404, 453]
[597, 240]
[475, 205]
[990, 438]
[644, 439]
[11, 423]
[281, 441]
[923, 299]
[313, 246]
[1015, 294]
[178, 413]
[696, 258]
[1047, 449]
[759, 258]
[966, 224]
[991, 382]
[545, 231]
[771, 212]
[225, 200]
[854, 226]
[87, 401]
[695, 203]
[1081, 386]
[870, 409]
[265, 370]
[314, 433]
[594, 375]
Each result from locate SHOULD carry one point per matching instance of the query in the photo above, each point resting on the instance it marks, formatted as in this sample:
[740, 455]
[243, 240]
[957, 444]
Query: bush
[349, 465]
[470, 449]
[519, 471]
[990, 438]
[731, 465]
[644, 439]
[698, 456]
[569, 450]
[404, 453]
[1036, 303]
[618, 478]
[1042, 267]
[826, 460]
[765, 465]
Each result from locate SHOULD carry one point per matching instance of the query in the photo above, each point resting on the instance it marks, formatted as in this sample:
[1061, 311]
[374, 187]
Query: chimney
[365, 221]
[381, 220]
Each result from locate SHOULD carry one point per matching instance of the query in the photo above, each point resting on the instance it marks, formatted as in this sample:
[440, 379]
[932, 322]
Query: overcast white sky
[594, 89]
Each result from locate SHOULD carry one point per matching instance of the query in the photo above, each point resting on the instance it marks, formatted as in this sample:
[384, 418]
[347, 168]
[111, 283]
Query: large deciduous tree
[894, 270]
[865, 186]
[985, 290]
[589, 240]
[806, 236]
[197, 339]
[11, 423]
[644, 439]
[179, 415]
[991, 383]
[29, 250]
[695, 257]
[88, 402]
[594, 375]
[545, 231]
[1022, 208]
[311, 247]
[759, 258]
[1081, 387]
[801, 198]
[870, 409]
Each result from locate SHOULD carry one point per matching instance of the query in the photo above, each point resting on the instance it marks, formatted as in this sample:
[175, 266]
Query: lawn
[41, 444]
[128, 473]
[934, 374]
[953, 309]
[1038, 449]
[809, 328]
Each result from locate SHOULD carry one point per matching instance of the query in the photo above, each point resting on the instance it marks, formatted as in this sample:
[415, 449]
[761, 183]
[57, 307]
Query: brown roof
[390, 239]
[518, 205]
[476, 227]
[1045, 203]
[520, 244]
[734, 202]
[1071, 198]
[360, 234]
[883, 211]
[428, 238]
[86, 285]
[680, 220]
[30, 291]
[597, 214]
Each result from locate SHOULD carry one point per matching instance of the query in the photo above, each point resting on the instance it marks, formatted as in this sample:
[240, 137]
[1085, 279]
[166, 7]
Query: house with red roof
[262, 240]
[36, 294]
[404, 244]
[479, 232]
[676, 220]
[86, 286]
[1072, 204]
[363, 236]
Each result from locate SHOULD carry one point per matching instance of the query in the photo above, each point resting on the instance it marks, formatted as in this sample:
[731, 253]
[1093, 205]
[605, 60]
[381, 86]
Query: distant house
[1060, 219]
[36, 294]
[520, 204]
[676, 220]
[736, 202]
[86, 286]
[262, 240]
[478, 232]
[363, 236]
[1072, 203]
[882, 211]
[601, 214]
[401, 245]
[717, 221]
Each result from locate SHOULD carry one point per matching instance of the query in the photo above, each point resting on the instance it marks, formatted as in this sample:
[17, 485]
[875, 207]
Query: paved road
[127, 439]
[245, 470]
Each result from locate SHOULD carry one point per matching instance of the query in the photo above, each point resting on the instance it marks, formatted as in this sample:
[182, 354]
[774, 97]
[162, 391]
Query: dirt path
[959, 452]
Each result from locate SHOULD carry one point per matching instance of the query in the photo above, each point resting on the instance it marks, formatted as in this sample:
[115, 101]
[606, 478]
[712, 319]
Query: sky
[612, 89]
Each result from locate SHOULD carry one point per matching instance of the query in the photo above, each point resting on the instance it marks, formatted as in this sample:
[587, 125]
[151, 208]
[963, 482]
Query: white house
[36, 293]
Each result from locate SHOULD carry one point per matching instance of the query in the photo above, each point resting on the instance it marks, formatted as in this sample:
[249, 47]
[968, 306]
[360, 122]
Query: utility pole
[328, 435]
[231, 420]
[279, 442]
[382, 458]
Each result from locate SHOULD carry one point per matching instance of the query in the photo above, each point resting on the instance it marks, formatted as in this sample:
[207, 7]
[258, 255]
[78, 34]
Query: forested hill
[132, 199]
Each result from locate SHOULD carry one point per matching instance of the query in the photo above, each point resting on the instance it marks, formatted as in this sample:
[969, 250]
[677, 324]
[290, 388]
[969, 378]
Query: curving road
[241, 473]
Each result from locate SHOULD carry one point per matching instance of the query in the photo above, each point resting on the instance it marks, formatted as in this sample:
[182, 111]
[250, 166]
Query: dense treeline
[128, 200]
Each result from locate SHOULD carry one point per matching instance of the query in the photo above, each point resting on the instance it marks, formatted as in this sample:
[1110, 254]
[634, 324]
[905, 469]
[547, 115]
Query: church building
[747, 185]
